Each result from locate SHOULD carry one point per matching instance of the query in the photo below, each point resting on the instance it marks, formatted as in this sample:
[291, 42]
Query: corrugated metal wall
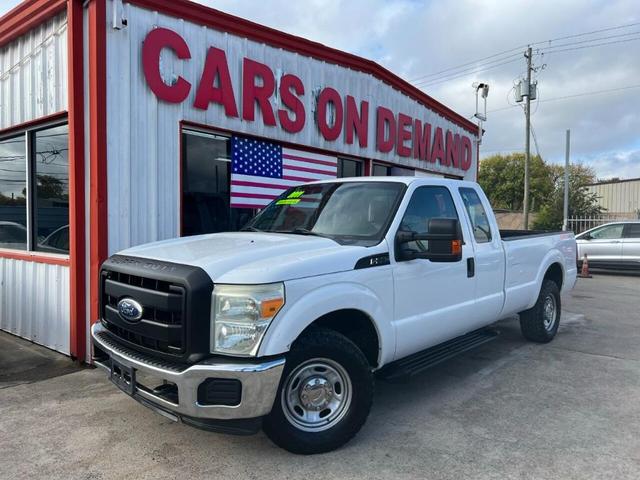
[34, 302]
[143, 133]
[619, 197]
[34, 297]
[33, 78]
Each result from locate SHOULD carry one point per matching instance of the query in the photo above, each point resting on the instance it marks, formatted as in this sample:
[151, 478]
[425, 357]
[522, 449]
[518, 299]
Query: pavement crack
[615, 357]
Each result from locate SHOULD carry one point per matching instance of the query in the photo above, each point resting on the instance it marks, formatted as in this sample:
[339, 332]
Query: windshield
[349, 213]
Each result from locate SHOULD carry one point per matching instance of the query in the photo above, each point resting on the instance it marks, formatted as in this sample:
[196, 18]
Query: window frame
[29, 131]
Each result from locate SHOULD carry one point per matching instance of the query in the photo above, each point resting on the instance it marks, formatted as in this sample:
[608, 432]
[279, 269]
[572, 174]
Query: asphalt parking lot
[509, 409]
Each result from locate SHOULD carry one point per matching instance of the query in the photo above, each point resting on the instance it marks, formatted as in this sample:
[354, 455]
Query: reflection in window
[207, 186]
[381, 170]
[349, 168]
[477, 215]
[426, 203]
[13, 193]
[51, 170]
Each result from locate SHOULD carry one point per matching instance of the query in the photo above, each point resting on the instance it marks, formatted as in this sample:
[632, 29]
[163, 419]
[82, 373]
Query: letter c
[156, 40]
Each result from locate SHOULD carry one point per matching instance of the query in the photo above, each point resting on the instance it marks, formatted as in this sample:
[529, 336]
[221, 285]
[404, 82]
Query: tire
[326, 358]
[540, 323]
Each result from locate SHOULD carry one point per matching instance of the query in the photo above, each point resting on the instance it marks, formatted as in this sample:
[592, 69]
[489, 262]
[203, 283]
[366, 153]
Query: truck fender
[295, 318]
[553, 256]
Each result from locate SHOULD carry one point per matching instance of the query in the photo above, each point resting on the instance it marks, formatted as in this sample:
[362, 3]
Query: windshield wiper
[250, 229]
[303, 231]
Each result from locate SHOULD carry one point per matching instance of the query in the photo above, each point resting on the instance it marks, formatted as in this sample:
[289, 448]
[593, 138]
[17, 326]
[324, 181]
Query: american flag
[260, 171]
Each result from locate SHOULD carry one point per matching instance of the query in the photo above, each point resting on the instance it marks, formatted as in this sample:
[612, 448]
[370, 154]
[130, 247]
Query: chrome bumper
[259, 380]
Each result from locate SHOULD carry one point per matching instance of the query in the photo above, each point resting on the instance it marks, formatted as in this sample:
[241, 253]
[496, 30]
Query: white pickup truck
[286, 324]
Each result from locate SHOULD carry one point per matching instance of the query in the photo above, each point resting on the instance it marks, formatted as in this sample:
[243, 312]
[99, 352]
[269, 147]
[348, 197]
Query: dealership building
[123, 122]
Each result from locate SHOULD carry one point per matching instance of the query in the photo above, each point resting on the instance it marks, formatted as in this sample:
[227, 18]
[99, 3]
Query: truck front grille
[161, 326]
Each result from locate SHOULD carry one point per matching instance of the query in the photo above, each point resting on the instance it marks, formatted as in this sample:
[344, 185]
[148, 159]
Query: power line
[564, 97]
[582, 42]
[595, 45]
[451, 70]
[440, 80]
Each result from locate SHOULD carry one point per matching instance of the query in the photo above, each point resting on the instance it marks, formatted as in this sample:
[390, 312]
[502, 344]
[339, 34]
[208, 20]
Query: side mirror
[443, 243]
[585, 236]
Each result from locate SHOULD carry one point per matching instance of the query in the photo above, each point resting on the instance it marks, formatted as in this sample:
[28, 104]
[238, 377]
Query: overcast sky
[414, 38]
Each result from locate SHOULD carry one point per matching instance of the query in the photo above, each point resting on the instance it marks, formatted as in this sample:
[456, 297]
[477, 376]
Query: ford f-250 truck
[285, 324]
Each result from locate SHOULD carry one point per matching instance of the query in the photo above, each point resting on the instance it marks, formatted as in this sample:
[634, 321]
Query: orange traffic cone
[584, 273]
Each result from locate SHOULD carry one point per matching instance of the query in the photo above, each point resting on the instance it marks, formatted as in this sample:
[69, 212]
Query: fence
[579, 225]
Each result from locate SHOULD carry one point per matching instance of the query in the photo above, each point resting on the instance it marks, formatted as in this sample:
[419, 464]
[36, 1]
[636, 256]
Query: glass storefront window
[51, 199]
[381, 170]
[13, 193]
[348, 167]
[206, 187]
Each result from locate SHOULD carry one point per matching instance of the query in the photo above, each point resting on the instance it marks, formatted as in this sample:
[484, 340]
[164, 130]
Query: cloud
[415, 38]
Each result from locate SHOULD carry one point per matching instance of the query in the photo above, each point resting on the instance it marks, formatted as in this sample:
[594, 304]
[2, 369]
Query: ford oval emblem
[129, 309]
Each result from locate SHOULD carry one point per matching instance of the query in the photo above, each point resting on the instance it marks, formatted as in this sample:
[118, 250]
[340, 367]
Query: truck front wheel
[540, 323]
[325, 394]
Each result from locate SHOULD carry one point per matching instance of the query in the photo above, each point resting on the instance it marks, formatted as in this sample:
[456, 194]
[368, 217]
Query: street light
[482, 89]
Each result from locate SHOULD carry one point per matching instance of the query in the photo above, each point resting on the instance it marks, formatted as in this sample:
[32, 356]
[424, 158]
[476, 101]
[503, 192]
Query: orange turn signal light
[269, 308]
[456, 247]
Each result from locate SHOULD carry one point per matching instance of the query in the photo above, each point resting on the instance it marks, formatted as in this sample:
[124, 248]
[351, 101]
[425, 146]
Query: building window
[379, 170]
[206, 185]
[348, 167]
[34, 190]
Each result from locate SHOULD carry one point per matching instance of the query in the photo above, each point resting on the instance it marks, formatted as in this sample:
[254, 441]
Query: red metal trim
[20, 127]
[77, 273]
[184, 9]
[26, 16]
[36, 257]
[98, 228]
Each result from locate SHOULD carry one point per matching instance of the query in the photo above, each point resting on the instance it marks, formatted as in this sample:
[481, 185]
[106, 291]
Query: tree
[502, 178]
[50, 187]
[582, 203]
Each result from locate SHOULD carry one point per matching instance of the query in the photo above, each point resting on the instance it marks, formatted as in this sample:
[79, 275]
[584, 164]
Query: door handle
[471, 267]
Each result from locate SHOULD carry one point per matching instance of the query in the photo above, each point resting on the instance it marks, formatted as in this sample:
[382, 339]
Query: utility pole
[527, 152]
[565, 223]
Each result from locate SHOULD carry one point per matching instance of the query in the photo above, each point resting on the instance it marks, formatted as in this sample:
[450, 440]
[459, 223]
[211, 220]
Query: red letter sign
[453, 149]
[421, 140]
[252, 93]
[329, 95]
[216, 66]
[404, 134]
[358, 122]
[156, 40]
[292, 102]
[438, 151]
[465, 153]
[385, 117]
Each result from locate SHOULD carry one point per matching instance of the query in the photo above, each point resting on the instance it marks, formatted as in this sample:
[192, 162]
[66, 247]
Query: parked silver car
[613, 245]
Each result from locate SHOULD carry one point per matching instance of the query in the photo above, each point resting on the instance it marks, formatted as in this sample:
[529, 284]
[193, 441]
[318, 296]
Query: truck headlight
[240, 314]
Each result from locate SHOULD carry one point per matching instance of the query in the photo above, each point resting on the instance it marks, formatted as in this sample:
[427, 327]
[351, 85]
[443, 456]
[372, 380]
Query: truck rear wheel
[324, 397]
[540, 323]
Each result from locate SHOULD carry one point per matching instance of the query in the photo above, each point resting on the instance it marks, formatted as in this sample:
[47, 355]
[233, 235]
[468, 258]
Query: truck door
[434, 301]
[488, 259]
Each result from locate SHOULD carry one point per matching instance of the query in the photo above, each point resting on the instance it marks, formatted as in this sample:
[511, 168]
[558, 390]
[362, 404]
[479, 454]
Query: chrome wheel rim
[316, 395]
[549, 312]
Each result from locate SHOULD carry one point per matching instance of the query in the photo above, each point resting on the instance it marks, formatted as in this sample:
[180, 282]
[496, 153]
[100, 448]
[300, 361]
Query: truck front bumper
[172, 390]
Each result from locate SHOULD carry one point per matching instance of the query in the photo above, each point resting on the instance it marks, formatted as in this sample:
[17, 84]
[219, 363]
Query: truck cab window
[426, 203]
[477, 215]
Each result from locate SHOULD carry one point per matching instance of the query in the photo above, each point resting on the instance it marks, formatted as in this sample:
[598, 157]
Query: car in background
[613, 245]
[13, 235]
[57, 241]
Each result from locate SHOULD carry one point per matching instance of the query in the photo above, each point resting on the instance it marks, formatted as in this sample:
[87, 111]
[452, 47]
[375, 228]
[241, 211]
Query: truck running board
[405, 368]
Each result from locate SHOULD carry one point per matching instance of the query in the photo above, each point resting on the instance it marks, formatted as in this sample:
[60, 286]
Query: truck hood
[248, 257]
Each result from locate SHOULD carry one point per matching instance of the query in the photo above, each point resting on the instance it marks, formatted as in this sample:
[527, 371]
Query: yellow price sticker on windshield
[288, 201]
